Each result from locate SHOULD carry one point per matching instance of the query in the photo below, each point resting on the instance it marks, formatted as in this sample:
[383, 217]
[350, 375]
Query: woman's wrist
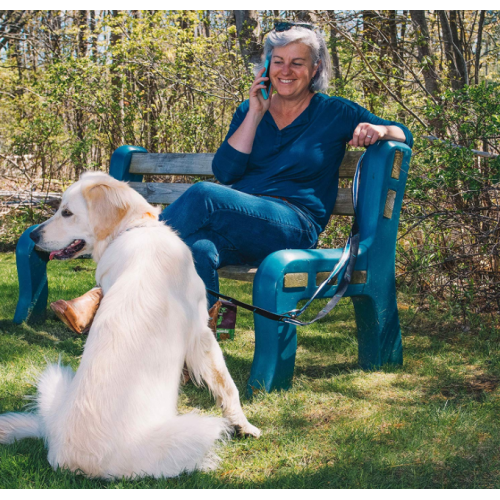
[242, 139]
[255, 117]
[394, 133]
[366, 134]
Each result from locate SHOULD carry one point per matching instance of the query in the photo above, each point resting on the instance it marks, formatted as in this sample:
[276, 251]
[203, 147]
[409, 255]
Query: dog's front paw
[248, 429]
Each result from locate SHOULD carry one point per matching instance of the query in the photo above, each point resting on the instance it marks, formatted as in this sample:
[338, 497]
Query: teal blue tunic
[301, 161]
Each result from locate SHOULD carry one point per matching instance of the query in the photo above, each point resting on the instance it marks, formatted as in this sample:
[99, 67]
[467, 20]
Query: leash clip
[293, 314]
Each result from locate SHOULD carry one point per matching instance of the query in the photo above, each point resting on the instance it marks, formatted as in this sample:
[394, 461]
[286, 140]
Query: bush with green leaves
[449, 240]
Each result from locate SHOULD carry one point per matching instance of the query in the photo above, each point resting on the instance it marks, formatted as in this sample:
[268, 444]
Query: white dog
[117, 415]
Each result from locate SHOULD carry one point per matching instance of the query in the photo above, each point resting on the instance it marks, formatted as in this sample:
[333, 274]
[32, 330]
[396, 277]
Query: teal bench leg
[32, 275]
[379, 333]
[275, 342]
[274, 358]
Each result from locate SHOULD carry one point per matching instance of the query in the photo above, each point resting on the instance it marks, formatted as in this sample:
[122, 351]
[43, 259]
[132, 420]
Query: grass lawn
[432, 423]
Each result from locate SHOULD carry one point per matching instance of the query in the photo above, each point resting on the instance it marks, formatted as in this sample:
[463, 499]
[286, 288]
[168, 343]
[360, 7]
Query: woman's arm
[243, 137]
[366, 124]
[366, 134]
[230, 161]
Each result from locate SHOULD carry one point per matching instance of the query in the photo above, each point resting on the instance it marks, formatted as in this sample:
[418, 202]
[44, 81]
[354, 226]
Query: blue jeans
[224, 227]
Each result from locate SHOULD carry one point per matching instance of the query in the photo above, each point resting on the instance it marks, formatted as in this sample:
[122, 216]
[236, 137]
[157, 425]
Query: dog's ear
[107, 204]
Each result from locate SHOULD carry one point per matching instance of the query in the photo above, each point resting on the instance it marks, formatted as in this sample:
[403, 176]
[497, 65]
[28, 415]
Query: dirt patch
[475, 387]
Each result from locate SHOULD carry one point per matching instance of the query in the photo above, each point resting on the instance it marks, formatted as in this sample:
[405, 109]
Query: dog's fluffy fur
[117, 415]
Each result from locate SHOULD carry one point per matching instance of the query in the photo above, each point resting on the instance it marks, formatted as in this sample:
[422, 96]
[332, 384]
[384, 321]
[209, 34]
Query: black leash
[344, 268]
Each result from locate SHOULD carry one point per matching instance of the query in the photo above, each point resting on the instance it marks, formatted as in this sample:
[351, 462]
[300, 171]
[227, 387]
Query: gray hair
[314, 41]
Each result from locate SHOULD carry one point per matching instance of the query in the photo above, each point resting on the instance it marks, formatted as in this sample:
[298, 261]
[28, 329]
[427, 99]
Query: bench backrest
[200, 165]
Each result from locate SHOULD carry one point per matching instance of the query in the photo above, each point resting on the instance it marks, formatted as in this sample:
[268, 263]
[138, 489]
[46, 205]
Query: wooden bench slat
[349, 163]
[167, 193]
[247, 273]
[157, 192]
[240, 273]
[343, 204]
[172, 164]
[201, 164]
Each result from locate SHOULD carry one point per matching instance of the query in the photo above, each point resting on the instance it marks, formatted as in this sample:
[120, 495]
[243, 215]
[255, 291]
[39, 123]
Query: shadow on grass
[461, 365]
[320, 371]
[365, 471]
[47, 334]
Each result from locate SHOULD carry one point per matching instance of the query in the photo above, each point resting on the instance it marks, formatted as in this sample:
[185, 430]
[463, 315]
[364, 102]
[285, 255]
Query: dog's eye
[66, 213]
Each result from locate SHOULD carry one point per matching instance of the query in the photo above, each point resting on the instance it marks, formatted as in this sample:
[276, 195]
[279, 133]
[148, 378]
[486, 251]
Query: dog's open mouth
[68, 252]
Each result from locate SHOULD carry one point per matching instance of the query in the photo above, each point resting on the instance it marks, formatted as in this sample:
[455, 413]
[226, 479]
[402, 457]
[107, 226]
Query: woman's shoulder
[329, 101]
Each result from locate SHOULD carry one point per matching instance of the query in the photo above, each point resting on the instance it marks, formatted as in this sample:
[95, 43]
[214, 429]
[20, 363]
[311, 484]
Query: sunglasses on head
[285, 26]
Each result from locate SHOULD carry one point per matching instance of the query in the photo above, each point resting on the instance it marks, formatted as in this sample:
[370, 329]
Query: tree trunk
[117, 138]
[458, 47]
[93, 36]
[81, 19]
[54, 21]
[395, 54]
[425, 56]
[371, 87]
[206, 23]
[451, 54]
[80, 164]
[478, 47]
[334, 41]
[249, 35]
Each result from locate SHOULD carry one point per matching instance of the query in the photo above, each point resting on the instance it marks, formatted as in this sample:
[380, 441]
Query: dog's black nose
[35, 235]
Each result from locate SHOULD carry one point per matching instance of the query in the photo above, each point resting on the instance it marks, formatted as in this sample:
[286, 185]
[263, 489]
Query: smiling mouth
[68, 252]
[285, 81]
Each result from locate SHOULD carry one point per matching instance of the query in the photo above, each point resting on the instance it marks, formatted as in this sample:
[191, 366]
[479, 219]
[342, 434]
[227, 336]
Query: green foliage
[14, 222]
[452, 203]
[148, 82]
[472, 116]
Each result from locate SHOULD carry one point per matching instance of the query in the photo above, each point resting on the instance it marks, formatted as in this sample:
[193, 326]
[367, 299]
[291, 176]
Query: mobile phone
[267, 89]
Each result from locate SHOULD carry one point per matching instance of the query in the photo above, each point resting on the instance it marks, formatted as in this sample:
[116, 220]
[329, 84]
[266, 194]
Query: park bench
[285, 277]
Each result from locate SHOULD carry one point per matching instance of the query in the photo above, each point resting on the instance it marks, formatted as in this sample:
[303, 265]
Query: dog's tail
[188, 442]
[15, 426]
[52, 387]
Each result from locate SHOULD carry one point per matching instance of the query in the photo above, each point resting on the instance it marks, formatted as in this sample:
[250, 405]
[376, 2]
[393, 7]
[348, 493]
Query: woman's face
[292, 69]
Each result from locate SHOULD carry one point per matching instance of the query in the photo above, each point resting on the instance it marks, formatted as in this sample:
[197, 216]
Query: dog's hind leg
[205, 360]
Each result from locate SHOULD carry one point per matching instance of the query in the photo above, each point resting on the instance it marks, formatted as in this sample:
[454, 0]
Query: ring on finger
[369, 136]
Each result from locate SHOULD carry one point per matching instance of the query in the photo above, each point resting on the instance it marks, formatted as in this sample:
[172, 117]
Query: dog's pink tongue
[53, 254]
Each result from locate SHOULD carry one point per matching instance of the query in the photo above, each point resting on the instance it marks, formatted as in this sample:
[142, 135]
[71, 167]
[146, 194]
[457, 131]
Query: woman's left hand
[366, 134]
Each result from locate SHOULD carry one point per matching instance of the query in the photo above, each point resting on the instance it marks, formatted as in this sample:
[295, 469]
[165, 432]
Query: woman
[281, 157]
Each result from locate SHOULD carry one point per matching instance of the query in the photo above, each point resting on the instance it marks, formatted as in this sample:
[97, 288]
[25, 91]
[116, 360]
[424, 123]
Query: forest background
[77, 84]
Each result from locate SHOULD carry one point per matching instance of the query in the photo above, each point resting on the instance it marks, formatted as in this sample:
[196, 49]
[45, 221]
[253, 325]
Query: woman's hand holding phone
[243, 137]
[259, 105]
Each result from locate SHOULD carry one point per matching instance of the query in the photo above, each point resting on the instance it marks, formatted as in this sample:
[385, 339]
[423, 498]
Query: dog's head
[93, 211]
